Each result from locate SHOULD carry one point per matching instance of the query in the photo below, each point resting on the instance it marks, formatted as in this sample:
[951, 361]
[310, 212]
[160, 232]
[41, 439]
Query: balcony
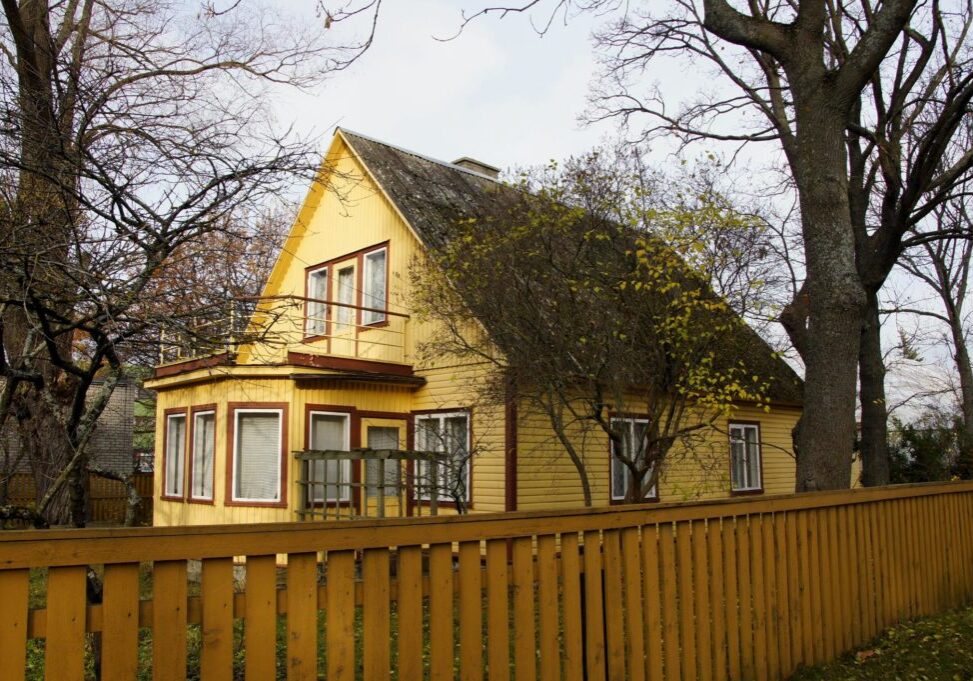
[267, 329]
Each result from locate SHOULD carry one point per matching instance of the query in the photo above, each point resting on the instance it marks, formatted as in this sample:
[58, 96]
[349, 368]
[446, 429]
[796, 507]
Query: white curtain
[375, 285]
[317, 287]
[204, 447]
[346, 295]
[257, 465]
[175, 453]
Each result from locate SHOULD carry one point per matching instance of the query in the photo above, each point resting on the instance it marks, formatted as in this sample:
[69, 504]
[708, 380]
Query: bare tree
[131, 130]
[944, 266]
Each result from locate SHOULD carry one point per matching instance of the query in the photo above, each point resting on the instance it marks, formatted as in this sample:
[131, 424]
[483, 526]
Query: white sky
[498, 92]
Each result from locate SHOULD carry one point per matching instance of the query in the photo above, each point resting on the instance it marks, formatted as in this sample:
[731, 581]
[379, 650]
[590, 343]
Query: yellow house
[340, 371]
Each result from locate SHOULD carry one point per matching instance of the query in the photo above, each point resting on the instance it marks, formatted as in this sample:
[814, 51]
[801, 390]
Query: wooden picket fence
[734, 589]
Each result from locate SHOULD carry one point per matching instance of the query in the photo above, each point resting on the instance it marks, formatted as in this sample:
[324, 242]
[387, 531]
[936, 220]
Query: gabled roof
[432, 196]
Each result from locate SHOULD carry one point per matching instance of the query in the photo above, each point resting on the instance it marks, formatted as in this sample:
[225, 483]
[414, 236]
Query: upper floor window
[346, 296]
[632, 448]
[317, 290]
[375, 286]
[447, 432]
[745, 464]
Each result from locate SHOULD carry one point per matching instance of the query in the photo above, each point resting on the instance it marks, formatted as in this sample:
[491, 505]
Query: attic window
[317, 291]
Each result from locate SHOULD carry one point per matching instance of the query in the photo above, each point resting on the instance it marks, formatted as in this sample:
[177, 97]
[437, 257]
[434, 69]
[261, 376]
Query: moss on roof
[434, 195]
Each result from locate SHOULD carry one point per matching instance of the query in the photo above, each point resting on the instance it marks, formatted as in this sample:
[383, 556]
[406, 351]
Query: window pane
[744, 457]
[455, 474]
[753, 458]
[175, 454]
[328, 432]
[619, 475]
[257, 464]
[375, 286]
[382, 438]
[450, 434]
[317, 287]
[346, 295]
[204, 433]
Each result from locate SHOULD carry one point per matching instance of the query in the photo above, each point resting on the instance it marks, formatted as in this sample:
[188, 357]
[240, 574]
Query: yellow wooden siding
[351, 215]
[546, 477]
[365, 397]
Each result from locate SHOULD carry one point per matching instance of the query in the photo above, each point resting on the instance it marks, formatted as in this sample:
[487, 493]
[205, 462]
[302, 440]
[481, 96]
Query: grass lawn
[938, 648]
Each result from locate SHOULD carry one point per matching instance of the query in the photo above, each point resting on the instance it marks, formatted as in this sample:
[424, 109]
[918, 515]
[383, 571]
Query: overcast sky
[498, 92]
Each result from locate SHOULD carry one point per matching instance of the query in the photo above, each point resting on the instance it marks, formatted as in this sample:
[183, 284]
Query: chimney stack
[477, 167]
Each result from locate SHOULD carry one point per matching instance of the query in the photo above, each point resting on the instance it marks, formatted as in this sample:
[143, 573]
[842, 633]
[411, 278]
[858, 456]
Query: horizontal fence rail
[726, 590]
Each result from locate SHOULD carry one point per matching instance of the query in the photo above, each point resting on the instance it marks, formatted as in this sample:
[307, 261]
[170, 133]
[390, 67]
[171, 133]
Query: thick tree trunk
[874, 407]
[829, 346]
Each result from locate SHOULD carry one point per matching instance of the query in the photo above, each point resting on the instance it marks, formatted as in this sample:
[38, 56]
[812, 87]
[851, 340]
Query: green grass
[938, 648]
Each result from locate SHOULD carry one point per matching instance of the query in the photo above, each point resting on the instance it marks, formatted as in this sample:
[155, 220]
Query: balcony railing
[289, 321]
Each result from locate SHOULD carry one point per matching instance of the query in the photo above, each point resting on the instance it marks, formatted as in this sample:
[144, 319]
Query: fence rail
[735, 589]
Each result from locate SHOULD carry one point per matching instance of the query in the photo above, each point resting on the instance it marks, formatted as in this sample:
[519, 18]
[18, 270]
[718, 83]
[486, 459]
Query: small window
[330, 431]
[317, 290]
[450, 433]
[346, 296]
[745, 462]
[632, 449]
[175, 454]
[375, 286]
[203, 451]
[257, 455]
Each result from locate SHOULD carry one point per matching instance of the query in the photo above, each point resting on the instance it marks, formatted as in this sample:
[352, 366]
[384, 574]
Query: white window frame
[369, 317]
[180, 460]
[192, 454]
[309, 321]
[743, 427]
[630, 422]
[441, 417]
[346, 443]
[236, 453]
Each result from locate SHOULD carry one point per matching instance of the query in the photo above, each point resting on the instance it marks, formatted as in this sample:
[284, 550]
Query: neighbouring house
[237, 431]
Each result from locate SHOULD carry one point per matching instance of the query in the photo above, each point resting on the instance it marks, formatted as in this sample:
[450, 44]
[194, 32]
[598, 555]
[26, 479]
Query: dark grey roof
[434, 195]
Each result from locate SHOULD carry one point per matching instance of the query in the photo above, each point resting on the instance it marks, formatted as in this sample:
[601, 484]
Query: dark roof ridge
[451, 166]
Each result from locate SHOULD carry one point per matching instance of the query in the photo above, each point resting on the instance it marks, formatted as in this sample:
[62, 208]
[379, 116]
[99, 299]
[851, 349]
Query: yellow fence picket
[169, 617]
[409, 612]
[260, 618]
[376, 627]
[340, 580]
[302, 615]
[440, 612]
[525, 646]
[498, 611]
[120, 607]
[217, 624]
[471, 610]
[66, 597]
[14, 592]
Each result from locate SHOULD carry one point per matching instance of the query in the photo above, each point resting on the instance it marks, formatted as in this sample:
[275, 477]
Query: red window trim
[231, 410]
[354, 441]
[412, 502]
[359, 258]
[174, 411]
